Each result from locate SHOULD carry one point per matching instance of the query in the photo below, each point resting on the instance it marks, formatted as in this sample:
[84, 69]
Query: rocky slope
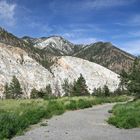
[103, 53]
[107, 55]
[44, 50]
[37, 62]
[15, 61]
[67, 67]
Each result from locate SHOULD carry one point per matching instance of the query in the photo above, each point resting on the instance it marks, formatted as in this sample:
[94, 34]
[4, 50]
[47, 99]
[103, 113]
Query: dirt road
[87, 124]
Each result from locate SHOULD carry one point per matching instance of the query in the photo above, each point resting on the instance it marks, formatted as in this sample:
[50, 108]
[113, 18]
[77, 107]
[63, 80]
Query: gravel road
[86, 124]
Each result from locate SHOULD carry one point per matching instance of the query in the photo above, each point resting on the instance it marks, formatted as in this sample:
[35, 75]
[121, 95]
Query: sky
[79, 21]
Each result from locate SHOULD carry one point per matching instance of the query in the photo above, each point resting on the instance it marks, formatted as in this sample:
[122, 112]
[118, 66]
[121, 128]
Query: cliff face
[44, 49]
[70, 68]
[15, 61]
[37, 62]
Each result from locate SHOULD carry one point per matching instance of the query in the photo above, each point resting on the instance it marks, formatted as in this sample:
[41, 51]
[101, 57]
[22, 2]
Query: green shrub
[82, 103]
[126, 115]
[72, 105]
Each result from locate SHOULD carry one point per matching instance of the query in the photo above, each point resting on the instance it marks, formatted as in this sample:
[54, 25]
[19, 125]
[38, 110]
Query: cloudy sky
[79, 21]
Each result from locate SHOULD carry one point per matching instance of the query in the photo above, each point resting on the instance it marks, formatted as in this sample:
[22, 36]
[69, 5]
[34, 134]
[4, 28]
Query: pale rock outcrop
[70, 68]
[15, 61]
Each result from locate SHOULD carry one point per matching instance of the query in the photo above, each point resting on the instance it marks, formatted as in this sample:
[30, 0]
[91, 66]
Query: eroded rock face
[15, 61]
[70, 68]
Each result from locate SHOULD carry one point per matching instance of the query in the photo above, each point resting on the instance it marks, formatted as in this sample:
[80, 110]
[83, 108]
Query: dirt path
[87, 124]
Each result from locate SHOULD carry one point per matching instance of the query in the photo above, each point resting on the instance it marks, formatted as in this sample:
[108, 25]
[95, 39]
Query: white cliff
[70, 68]
[15, 61]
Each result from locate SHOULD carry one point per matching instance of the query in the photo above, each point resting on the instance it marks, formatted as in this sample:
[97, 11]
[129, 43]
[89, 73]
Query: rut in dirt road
[86, 124]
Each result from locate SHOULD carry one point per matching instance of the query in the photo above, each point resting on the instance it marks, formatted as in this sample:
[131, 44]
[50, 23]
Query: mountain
[15, 61]
[107, 55]
[45, 49]
[41, 56]
[55, 45]
[37, 62]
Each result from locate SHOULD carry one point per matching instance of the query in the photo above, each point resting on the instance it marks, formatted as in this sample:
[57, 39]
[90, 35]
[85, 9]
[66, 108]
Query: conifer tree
[80, 87]
[15, 89]
[134, 79]
[6, 91]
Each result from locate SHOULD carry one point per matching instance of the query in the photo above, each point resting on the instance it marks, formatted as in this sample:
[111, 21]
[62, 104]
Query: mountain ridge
[45, 49]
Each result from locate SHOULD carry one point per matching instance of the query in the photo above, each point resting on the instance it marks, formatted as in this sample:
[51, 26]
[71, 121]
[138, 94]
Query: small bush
[126, 115]
[83, 104]
[72, 105]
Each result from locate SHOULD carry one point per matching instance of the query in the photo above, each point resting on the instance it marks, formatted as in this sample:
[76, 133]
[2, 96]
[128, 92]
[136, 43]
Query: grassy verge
[126, 115]
[17, 115]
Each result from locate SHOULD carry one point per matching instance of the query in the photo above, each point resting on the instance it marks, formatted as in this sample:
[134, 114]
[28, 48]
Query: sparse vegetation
[43, 93]
[78, 88]
[131, 80]
[17, 115]
[126, 115]
[13, 90]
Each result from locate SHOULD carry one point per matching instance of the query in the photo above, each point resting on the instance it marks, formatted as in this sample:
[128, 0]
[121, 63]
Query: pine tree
[80, 87]
[6, 91]
[67, 87]
[15, 89]
[124, 80]
[34, 94]
[134, 79]
[106, 91]
[48, 92]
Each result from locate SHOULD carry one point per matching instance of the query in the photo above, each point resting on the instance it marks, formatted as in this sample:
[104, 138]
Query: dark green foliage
[84, 103]
[56, 107]
[48, 92]
[72, 105]
[34, 94]
[119, 91]
[45, 94]
[126, 115]
[134, 79]
[14, 90]
[104, 92]
[124, 79]
[131, 80]
[67, 87]
[97, 92]
[80, 87]
[7, 92]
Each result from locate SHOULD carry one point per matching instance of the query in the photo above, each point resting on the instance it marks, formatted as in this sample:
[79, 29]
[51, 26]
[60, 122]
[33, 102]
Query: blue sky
[79, 21]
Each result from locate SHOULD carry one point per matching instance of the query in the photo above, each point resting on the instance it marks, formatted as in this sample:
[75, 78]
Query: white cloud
[132, 21]
[85, 40]
[7, 12]
[132, 47]
[106, 3]
[78, 39]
